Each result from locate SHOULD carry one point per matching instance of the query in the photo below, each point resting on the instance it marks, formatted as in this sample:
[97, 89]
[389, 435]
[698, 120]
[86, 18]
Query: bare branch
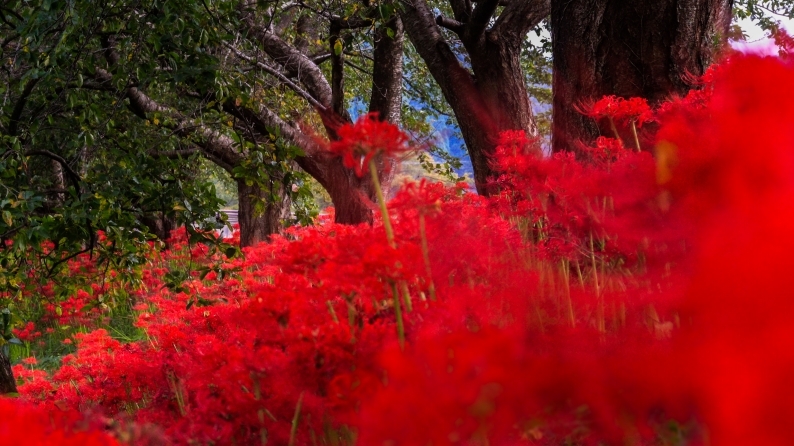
[213, 143]
[452, 25]
[176, 154]
[358, 67]
[16, 114]
[480, 18]
[296, 63]
[320, 58]
[521, 16]
[297, 89]
[337, 71]
[461, 9]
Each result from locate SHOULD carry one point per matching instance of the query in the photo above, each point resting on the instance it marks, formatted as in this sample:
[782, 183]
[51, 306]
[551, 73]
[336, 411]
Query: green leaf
[231, 251]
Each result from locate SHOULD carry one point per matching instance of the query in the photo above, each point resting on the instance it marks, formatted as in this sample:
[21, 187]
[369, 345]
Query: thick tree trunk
[7, 382]
[260, 213]
[646, 48]
[503, 94]
[387, 72]
[387, 89]
[492, 97]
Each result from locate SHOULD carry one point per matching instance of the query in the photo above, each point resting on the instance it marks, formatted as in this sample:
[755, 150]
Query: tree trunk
[159, 224]
[260, 213]
[492, 97]
[7, 382]
[502, 90]
[645, 48]
[387, 72]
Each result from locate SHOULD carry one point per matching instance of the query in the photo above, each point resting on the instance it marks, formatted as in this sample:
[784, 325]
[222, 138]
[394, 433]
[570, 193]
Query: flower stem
[294, 430]
[399, 315]
[566, 277]
[431, 288]
[409, 306]
[382, 204]
[600, 308]
[636, 138]
[390, 238]
[614, 129]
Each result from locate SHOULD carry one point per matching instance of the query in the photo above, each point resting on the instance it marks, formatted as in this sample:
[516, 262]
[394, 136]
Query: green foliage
[76, 163]
[765, 13]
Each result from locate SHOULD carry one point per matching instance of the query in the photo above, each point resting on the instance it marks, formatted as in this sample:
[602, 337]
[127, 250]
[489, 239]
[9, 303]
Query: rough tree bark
[7, 382]
[257, 226]
[647, 48]
[492, 97]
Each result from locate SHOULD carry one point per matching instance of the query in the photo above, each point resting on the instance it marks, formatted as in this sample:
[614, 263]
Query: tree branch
[295, 62]
[297, 89]
[176, 154]
[387, 70]
[521, 16]
[75, 180]
[320, 58]
[73, 176]
[315, 161]
[452, 25]
[337, 71]
[461, 9]
[13, 122]
[480, 18]
[212, 142]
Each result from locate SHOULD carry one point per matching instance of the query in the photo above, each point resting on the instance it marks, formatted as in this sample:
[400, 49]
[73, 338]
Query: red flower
[359, 142]
[632, 109]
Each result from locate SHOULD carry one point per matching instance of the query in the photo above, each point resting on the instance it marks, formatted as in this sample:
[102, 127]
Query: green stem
[431, 288]
[566, 277]
[636, 138]
[599, 297]
[390, 238]
[614, 129]
[399, 315]
[409, 306]
[382, 204]
[294, 431]
[331, 310]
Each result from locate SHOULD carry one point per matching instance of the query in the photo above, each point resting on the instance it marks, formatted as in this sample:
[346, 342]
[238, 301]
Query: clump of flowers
[25, 423]
[610, 298]
[635, 112]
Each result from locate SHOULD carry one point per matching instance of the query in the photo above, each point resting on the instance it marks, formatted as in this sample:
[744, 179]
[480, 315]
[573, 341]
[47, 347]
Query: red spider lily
[367, 138]
[23, 423]
[619, 109]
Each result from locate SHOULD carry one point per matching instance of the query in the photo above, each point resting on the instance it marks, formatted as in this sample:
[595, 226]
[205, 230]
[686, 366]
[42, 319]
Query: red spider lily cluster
[36, 426]
[619, 109]
[617, 297]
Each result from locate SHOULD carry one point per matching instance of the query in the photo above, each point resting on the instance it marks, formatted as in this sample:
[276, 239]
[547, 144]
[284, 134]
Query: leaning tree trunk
[627, 48]
[7, 382]
[260, 213]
